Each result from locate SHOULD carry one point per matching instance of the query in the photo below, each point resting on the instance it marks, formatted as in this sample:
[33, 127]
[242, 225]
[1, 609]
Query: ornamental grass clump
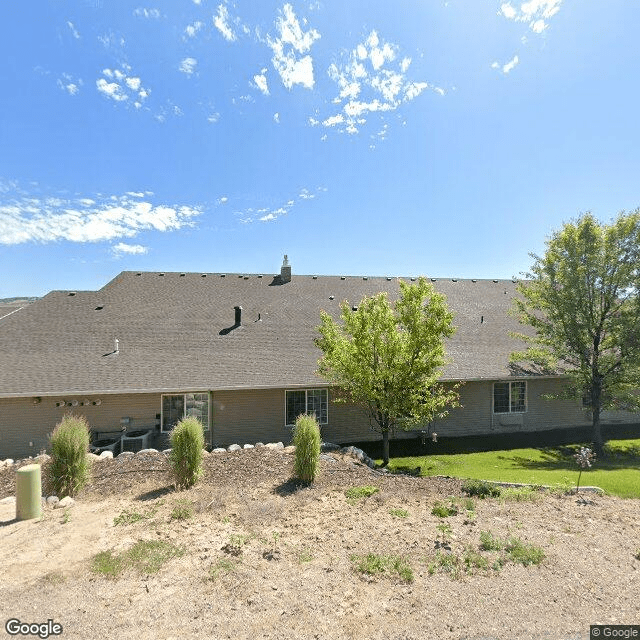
[306, 439]
[187, 443]
[70, 468]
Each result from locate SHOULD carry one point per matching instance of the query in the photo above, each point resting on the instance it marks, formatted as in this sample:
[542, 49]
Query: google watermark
[626, 631]
[15, 627]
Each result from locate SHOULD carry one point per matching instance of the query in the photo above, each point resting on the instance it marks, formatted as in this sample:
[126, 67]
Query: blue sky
[445, 138]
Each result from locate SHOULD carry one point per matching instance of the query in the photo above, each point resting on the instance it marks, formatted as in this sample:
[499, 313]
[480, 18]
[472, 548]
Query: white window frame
[184, 396]
[510, 383]
[306, 403]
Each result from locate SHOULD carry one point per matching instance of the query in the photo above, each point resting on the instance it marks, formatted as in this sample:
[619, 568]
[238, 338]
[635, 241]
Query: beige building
[237, 351]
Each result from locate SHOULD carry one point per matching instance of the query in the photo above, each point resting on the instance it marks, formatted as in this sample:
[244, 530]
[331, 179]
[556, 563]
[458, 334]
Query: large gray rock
[147, 451]
[64, 503]
[274, 445]
[234, 447]
[248, 446]
[108, 454]
[53, 500]
[219, 450]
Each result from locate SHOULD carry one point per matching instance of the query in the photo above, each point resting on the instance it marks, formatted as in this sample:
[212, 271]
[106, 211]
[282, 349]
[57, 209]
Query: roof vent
[116, 345]
[100, 307]
[138, 274]
[71, 293]
[260, 276]
[365, 277]
[331, 297]
[223, 275]
[454, 279]
[315, 277]
[285, 270]
[204, 275]
[473, 280]
[343, 278]
[495, 281]
[182, 275]
[354, 308]
[433, 279]
[161, 274]
[238, 311]
[388, 278]
[413, 279]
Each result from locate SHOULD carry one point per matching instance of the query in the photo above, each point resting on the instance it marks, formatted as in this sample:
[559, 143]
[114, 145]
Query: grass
[444, 510]
[399, 513]
[145, 556]
[357, 493]
[618, 474]
[515, 550]
[222, 566]
[374, 564]
[183, 510]
[131, 516]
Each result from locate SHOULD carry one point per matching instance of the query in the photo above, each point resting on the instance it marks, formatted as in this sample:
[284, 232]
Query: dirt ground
[293, 576]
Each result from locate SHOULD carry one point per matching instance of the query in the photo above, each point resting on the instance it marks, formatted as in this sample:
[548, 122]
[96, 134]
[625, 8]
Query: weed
[374, 564]
[130, 517]
[448, 563]
[473, 560]
[443, 510]
[523, 553]
[146, 556]
[305, 556]
[221, 566]
[183, 510]
[236, 543]
[226, 520]
[445, 532]
[469, 504]
[637, 556]
[520, 494]
[66, 516]
[356, 493]
[273, 553]
[399, 513]
[480, 488]
[489, 543]
[54, 578]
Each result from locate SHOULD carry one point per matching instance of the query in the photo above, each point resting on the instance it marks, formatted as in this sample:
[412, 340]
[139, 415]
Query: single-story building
[237, 351]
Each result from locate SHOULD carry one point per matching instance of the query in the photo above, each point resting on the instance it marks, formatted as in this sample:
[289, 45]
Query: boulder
[259, 444]
[234, 447]
[53, 500]
[248, 446]
[219, 450]
[147, 451]
[106, 454]
[274, 445]
[64, 503]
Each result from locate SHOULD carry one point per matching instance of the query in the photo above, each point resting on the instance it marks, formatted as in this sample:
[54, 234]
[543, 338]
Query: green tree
[387, 358]
[582, 300]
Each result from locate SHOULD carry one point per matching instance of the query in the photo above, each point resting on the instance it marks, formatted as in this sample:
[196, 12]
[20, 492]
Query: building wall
[259, 416]
[25, 426]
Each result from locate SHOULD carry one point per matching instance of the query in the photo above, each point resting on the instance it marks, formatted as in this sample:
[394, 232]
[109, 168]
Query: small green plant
[584, 458]
[357, 493]
[305, 556]
[70, 467]
[273, 553]
[183, 510]
[236, 543]
[469, 504]
[306, 438]
[523, 553]
[637, 556]
[222, 566]
[449, 563]
[480, 488]
[473, 560]
[399, 513]
[187, 443]
[131, 517]
[374, 564]
[146, 556]
[489, 543]
[445, 532]
[226, 520]
[443, 510]
[66, 516]
[520, 494]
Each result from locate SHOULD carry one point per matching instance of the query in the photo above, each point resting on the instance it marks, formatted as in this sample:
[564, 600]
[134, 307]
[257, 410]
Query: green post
[28, 492]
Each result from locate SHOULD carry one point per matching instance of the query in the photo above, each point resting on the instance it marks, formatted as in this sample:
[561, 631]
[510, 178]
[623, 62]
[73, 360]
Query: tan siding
[22, 422]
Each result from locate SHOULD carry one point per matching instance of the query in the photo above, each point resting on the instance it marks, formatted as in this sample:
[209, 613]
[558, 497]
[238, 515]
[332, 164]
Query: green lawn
[618, 474]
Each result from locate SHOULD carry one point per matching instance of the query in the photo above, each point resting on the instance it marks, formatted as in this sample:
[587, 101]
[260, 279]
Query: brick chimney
[285, 270]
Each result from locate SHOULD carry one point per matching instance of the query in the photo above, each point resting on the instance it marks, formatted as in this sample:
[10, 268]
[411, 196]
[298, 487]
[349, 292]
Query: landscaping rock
[93, 456]
[64, 503]
[53, 500]
[147, 451]
[290, 449]
[259, 444]
[326, 447]
[8, 462]
[107, 454]
[205, 453]
[124, 454]
[248, 446]
[166, 451]
[219, 450]
[43, 457]
[234, 447]
[274, 445]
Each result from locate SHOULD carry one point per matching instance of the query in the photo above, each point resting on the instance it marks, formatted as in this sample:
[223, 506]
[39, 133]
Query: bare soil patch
[292, 575]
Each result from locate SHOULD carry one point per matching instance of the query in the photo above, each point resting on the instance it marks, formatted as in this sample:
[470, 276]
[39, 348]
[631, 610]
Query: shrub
[306, 439]
[187, 443]
[480, 488]
[70, 467]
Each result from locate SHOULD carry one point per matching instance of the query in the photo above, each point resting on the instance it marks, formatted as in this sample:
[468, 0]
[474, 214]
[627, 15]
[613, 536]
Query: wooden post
[28, 492]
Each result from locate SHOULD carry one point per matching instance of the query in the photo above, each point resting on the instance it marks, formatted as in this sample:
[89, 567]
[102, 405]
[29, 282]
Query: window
[311, 401]
[176, 406]
[510, 397]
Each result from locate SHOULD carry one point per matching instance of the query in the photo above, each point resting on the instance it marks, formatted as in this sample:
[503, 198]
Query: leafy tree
[387, 358]
[583, 302]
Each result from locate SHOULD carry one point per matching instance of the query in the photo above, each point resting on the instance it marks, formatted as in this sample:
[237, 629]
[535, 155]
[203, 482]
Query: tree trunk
[385, 447]
[596, 407]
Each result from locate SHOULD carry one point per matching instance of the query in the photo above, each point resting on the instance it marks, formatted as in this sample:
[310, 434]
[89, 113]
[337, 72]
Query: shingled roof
[176, 332]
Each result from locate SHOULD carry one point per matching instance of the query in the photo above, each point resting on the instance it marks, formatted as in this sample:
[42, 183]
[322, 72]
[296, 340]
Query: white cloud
[188, 66]
[223, 200]
[268, 217]
[371, 78]
[213, 117]
[24, 218]
[69, 84]
[260, 81]
[221, 22]
[276, 118]
[287, 48]
[131, 249]
[124, 88]
[535, 13]
[191, 29]
[141, 12]
[73, 30]
[506, 68]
